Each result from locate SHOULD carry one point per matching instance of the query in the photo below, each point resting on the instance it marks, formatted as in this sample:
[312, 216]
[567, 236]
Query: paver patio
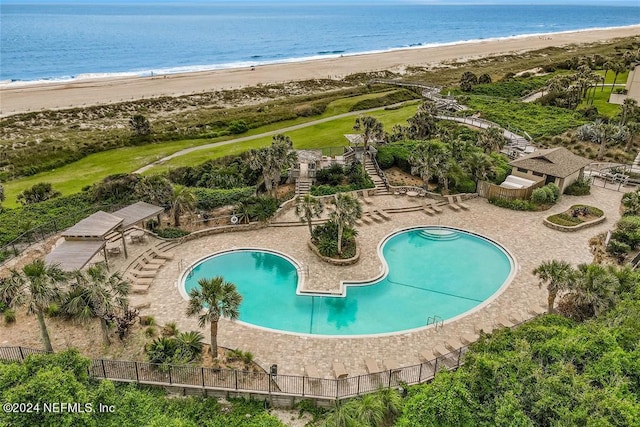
[522, 233]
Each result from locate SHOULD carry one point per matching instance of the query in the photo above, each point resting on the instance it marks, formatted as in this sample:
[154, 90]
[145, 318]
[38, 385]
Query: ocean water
[59, 41]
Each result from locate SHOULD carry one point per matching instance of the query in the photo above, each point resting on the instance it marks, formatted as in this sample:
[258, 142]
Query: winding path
[262, 135]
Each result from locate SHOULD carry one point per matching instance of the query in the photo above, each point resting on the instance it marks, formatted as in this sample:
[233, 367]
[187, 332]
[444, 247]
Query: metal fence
[256, 382]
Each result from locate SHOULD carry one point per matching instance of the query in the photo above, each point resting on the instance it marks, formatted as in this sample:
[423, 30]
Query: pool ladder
[181, 265]
[435, 320]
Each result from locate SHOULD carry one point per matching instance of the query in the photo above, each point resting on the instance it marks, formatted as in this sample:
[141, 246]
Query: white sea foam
[8, 84]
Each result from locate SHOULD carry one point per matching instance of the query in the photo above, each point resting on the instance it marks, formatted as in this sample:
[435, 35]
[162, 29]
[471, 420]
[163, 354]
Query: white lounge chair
[340, 371]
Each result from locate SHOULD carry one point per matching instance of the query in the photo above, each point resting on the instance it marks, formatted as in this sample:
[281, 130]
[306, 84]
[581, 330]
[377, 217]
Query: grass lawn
[73, 177]
[601, 102]
[622, 77]
[320, 136]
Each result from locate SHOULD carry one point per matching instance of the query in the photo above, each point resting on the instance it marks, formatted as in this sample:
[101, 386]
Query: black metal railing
[256, 382]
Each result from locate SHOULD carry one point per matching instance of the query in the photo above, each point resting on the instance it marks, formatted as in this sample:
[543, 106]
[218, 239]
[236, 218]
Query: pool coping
[367, 282]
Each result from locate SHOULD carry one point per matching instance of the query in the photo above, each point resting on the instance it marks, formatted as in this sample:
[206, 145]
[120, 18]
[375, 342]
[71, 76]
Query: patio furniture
[113, 248]
[427, 356]
[452, 204]
[503, 322]
[429, 211]
[161, 254]
[340, 371]
[392, 365]
[412, 193]
[143, 273]
[311, 372]
[453, 344]
[137, 236]
[468, 338]
[458, 200]
[440, 350]
[372, 366]
[383, 214]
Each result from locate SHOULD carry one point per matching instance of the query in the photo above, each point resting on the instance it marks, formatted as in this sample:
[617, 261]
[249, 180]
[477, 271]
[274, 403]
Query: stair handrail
[379, 170]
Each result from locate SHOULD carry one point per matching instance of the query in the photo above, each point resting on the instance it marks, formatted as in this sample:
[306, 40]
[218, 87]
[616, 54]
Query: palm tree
[372, 130]
[182, 200]
[491, 139]
[595, 286]
[631, 202]
[423, 124]
[607, 66]
[480, 166]
[600, 133]
[96, 294]
[215, 298]
[271, 161]
[557, 275]
[628, 107]
[36, 286]
[155, 189]
[2, 196]
[347, 211]
[307, 208]
[424, 157]
[618, 67]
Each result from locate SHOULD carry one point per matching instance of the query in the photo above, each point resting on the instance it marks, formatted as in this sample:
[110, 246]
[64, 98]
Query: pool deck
[521, 233]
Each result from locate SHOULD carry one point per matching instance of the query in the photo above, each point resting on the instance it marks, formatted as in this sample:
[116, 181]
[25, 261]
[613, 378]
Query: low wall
[333, 261]
[567, 228]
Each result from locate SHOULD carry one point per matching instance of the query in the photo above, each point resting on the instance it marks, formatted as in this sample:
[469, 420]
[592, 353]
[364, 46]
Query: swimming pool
[428, 271]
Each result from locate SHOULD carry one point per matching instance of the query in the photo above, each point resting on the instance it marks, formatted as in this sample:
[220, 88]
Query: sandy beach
[104, 91]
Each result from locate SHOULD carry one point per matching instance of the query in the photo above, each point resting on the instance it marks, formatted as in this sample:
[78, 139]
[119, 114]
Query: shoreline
[52, 95]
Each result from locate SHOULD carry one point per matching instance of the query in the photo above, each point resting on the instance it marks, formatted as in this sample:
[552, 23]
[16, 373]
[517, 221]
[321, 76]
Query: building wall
[567, 181]
[632, 87]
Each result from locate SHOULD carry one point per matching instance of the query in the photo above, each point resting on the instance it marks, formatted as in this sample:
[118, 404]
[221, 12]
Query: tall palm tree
[347, 211]
[424, 158]
[618, 67]
[608, 65]
[491, 139]
[423, 124]
[595, 286]
[182, 200]
[372, 130]
[480, 166]
[96, 294]
[557, 275]
[271, 161]
[307, 208]
[214, 299]
[628, 107]
[36, 286]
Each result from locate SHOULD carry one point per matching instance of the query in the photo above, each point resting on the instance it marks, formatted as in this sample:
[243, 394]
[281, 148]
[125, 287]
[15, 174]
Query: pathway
[262, 135]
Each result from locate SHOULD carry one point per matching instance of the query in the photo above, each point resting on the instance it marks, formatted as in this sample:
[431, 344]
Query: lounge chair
[366, 200]
[311, 372]
[469, 338]
[503, 322]
[428, 211]
[440, 350]
[383, 215]
[431, 205]
[136, 281]
[392, 365]
[161, 254]
[148, 267]
[359, 222]
[340, 371]
[148, 260]
[372, 366]
[374, 216]
[453, 204]
[427, 356]
[453, 344]
[458, 200]
[143, 273]
[365, 220]
[537, 310]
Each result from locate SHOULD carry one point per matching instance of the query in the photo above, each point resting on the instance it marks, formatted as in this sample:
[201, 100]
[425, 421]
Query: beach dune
[78, 93]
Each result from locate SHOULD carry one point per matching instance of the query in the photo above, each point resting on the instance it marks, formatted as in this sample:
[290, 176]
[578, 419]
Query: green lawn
[320, 136]
[73, 177]
[622, 77]
[601, 102]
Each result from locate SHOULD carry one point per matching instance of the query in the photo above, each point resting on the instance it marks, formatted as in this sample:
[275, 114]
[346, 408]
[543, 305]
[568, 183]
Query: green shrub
[262, 208]
[325, 237]
[53, 310]
[388, 99]
[9, 316]
[147, 320]
[549, 193]
[516, 204]
[555, 191]
[466, 185]
[385, 158]
[170, 233]
[238, 126]
[539, 196]
[564, 219]
[208, 198]
[618, 249]
[581, 187]
[150, 332]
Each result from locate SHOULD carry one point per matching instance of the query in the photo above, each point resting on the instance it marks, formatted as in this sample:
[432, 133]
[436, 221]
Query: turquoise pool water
[431, 271]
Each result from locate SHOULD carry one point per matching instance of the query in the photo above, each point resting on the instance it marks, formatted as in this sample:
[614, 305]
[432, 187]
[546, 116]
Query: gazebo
[89, 236]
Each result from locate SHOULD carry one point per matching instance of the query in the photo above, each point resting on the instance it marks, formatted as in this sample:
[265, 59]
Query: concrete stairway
[303, 186]
[381, 189]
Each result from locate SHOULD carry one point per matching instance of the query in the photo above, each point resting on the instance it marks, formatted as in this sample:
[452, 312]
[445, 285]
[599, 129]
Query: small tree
[347, 211]
[491, 139]
[307, 208]
[371, 128]
[155, 189]
[36, 286]
[140, 125]
[182, 200]
[271, 161]
[484, 79]
[557, 275]
[467, 81]
[38, 193]
[94, 294]
[215, 298]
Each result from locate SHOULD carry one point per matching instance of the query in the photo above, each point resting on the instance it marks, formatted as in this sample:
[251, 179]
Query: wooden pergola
[89, 236]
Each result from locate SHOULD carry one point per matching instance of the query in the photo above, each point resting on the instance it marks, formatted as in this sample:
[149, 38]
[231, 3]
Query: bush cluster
[581, 187]
[180, 349]
[337, 179]
[325, 238]
[516, 204]
[389, 99]
[170, 233]
[548, 194]
[209, 198]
